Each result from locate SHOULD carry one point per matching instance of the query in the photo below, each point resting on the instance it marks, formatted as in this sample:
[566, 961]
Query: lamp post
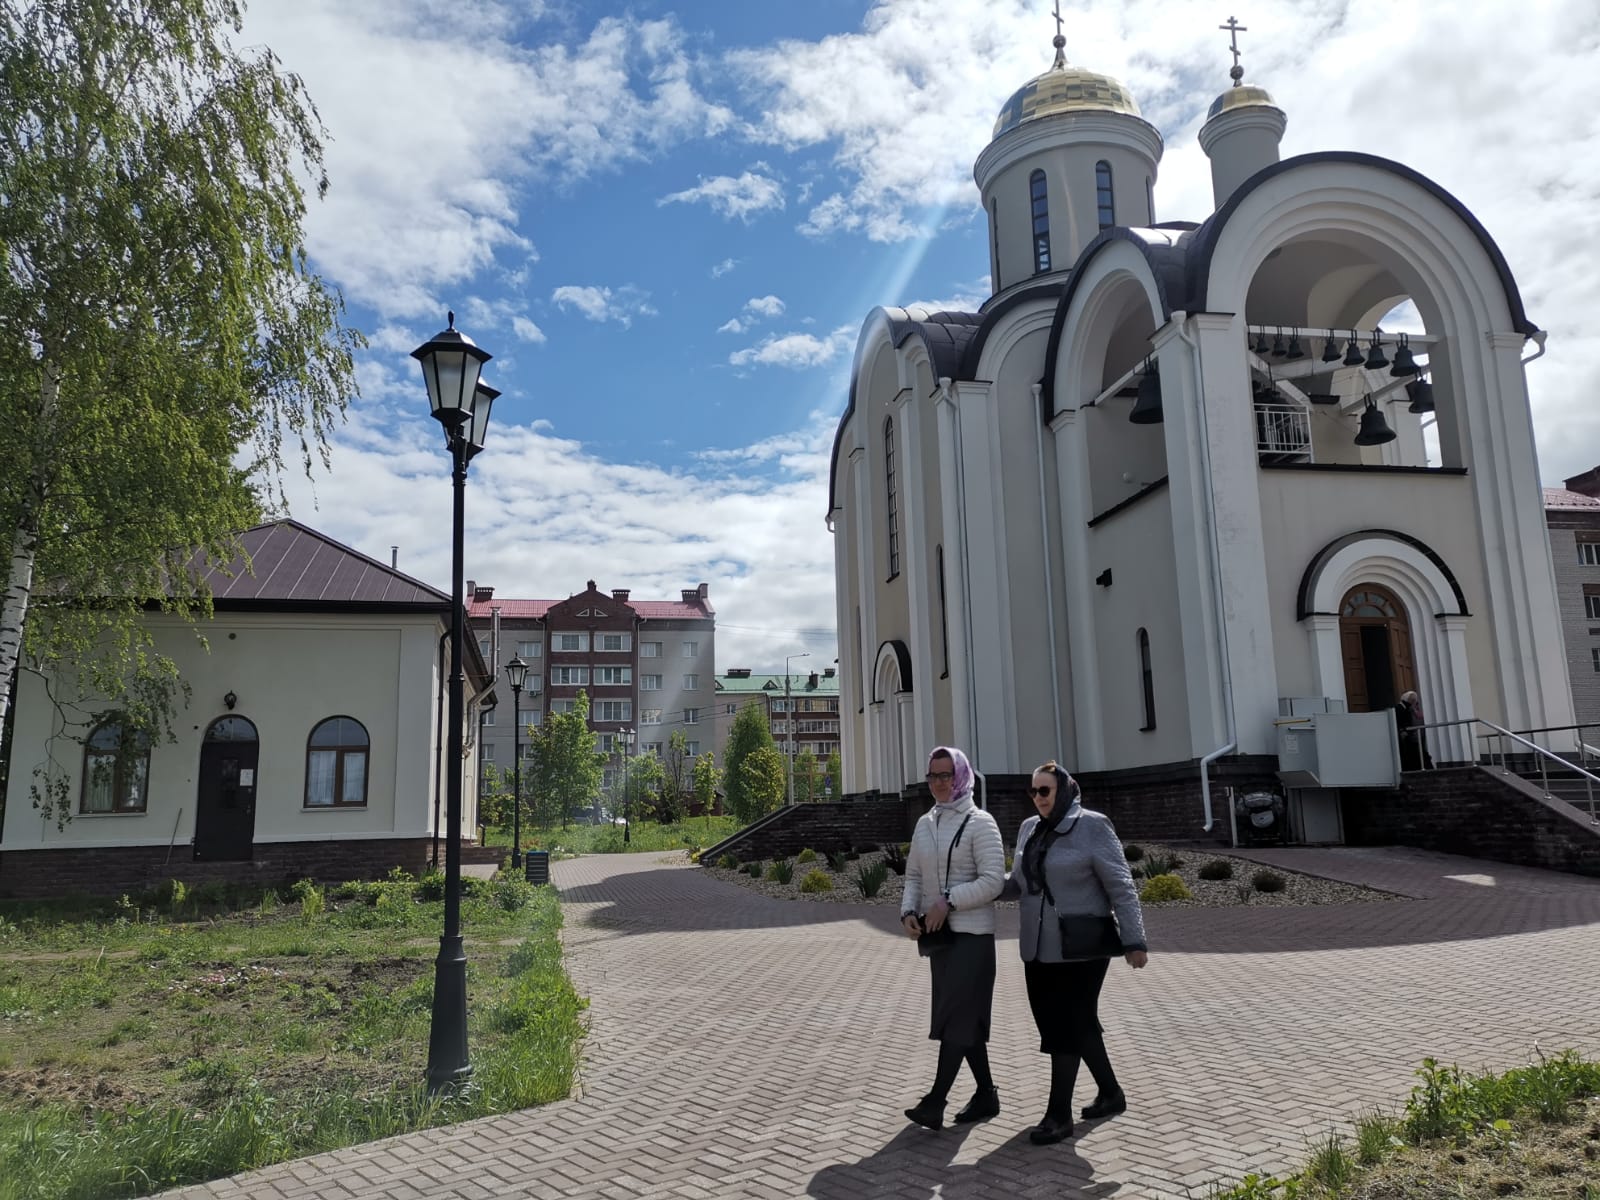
[788, 705]
[627, 800]
[460, 401]
[517, 675]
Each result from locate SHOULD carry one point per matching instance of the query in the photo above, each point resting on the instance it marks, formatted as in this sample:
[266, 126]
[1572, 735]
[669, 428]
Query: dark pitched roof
[293, 565]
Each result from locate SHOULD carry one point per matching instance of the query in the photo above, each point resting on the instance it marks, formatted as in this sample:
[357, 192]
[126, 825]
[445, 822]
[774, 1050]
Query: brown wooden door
[1375, 644]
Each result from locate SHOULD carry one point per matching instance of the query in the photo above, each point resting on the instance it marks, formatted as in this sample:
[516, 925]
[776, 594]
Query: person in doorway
[1070, 874]
[1408, 722]
[954, 870]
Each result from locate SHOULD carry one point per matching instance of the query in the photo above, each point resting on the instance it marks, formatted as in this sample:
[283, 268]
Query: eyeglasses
[941, 776]
[1041, 792]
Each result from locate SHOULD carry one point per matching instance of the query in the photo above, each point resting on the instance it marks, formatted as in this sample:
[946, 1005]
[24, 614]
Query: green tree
[494, 797]
[567, 768]
[807, 780]
[645, 789]
[161, 332]
[832, 777]
[751, 732]
[762, 775]
[675, 781]
[706, 778]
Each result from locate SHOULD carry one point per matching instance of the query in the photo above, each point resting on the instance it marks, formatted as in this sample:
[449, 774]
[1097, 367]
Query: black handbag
[1084, 935]
[930, 941]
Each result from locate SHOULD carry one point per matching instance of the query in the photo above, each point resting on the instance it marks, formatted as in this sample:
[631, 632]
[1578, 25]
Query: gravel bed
[1205, 893]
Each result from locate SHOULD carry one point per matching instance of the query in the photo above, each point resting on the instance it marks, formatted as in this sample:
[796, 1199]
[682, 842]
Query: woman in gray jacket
[1070, 875]
[954, 870]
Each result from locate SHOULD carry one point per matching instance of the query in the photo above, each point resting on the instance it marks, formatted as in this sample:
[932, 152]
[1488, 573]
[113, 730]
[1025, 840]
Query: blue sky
[668, 222]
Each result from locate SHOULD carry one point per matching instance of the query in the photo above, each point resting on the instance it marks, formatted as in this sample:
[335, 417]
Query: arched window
[1147, 683]
[1041, 221]
[944, 615]
[889, 490]
[1150, 198]
[1103, 197]
[336, 764]
[994, 240]
[116, 768]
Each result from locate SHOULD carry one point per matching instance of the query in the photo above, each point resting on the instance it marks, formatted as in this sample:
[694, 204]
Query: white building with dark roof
[1174, 473]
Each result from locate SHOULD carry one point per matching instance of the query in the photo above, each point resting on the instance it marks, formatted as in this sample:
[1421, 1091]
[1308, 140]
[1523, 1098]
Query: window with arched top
[116, 768]
[1369, 603]
[1147, 683]
[889, 486]
[1039, 199]
[336, 764]
[1105, 202]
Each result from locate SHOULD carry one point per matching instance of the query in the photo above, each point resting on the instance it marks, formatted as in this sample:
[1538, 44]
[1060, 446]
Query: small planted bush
[808, 855]
[1161, 864]
[1163, 887]
[836, 860]
[728, 863]
[781, 870]
[894, 857]
[1217, 868]
[871, 878]
[752, 869]
[816, 881]
[1267, 882]
[1133, 852]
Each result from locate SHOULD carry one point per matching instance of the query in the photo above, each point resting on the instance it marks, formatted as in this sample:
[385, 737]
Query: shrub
[1217, 868]
[753, 869]
[1163, 887]
[728, 863]
[1268, 881]
[1161, 864]
[871, 878]
[894, 856]
[836, 860]
[1245, 892]
[816, 881]
[513, 893]
[781, 870]
[1133, 852]
[808, 855]
[311, 903]
[431, 885]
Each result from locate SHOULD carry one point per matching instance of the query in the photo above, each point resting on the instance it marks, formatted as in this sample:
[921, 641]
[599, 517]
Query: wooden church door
[1375, 642]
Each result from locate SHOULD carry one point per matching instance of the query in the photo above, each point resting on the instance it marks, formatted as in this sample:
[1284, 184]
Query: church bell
[1352, 352]
[1404, 364]
[1147, 408]
[1375, 356]
[1421, 393]
[1294, 345]
[1374, 430]
[1330, 348]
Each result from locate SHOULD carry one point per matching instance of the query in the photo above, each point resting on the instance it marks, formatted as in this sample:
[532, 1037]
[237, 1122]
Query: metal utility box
[536, 866]
[1339, 750]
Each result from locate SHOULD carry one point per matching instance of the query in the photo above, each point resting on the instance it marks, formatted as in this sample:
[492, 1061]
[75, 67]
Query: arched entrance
[1375, 643]
[225, 803]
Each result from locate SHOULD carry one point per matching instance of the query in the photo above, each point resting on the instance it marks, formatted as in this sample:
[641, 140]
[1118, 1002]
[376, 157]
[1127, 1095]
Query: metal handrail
[1590, 779]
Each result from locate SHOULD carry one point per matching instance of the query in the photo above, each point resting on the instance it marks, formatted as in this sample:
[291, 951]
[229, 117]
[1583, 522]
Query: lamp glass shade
[481, 407]
[517, 673]
[451, 364]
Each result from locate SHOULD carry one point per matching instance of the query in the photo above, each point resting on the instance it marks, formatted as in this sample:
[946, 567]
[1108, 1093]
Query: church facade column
[866, 596]
[1075, 507]
[919, 583]
[846, 589]
[953, 521]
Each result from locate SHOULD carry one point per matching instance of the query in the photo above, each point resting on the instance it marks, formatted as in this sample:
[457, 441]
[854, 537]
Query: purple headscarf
[962, 768]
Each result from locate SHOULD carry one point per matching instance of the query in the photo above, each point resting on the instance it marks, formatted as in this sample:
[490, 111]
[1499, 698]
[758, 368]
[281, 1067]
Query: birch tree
[164, 343]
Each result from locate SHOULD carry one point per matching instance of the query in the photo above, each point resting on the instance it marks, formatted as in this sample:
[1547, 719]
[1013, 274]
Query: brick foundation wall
[111, 871]
[1478, 812]
[821, 827]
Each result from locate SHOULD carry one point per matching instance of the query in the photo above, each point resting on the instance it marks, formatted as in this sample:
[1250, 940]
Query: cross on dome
[1234, 30]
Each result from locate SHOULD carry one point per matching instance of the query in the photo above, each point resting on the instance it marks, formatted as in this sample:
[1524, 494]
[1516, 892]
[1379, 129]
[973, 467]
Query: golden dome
[1064, 89]
[1241, 95]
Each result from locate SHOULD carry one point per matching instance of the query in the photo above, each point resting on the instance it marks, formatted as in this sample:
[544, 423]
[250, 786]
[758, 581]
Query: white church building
[1171, 474]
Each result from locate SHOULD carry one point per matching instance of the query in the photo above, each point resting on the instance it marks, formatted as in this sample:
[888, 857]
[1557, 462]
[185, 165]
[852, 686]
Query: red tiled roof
[650, 610]
[1563, 499]
[510, 609]
[293, 563]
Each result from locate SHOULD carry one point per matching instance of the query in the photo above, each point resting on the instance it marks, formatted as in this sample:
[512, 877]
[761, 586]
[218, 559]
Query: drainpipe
[1539, 336]
[1216, 585]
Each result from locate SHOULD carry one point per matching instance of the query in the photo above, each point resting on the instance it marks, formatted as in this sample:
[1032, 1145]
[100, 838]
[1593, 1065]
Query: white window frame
[691, 650]
[649, 683]
[691, 749]
[650, 716]
[1591, 606]
[650, 650]
[625, 673]
[569, 676]
[691, 716]
[558, 643]
[530, 649]
[612, 710]
[1588, 553]
[691, 683]
[623, 646]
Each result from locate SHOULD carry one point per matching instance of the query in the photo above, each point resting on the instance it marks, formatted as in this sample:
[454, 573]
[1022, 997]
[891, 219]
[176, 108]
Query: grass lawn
[694, 833]
[146, 1045]
[1533, 1132]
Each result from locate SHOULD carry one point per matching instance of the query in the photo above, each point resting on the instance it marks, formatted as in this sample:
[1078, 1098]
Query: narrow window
[336, 763]
[116, 769]
[944, 617]
[1595, 655]
[994, 240]
[1591, 604]
[1040, 201]
[1104, 200]
[889, 489]
[1150, 199]
[1589, 553]
[1147, 683]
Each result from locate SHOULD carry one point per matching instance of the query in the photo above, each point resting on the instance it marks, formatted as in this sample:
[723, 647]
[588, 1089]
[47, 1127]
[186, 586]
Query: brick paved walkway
[743, 1046]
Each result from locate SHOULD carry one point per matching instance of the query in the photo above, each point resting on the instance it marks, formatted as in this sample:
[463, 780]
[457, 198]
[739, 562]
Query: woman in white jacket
[954, 870]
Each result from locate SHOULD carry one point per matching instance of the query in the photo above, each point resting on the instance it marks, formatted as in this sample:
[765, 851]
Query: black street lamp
[626, 736]
[517, 674]
[460, 402]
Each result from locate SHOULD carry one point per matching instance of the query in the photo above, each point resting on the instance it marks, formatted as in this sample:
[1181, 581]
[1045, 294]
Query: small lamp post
[626, 737]
[788, 704]
[517, 675]
[452, 366]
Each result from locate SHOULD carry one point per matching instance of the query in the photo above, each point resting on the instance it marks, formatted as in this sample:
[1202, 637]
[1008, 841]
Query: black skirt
[1065, 999]
[963, 990]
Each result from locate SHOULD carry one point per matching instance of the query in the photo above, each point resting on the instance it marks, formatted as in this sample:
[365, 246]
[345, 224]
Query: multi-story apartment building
[803, 710]
[648, 666]
[1572, 517]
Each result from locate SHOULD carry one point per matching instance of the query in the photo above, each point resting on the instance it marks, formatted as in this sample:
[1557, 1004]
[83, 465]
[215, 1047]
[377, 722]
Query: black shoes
[1106, 1105]
[929, 1113]
[985, 1103]
[1050, 1130]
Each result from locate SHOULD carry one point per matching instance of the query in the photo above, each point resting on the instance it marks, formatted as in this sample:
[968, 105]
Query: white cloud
[526, 330]
[766, 306]
[604, 304]
[796, 351]
[718, 270]
[738, 198]
[731, 325]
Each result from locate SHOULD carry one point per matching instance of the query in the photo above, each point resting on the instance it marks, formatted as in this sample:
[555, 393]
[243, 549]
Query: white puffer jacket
[977, 865]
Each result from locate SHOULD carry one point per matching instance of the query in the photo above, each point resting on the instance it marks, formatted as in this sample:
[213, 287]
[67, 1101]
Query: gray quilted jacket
[1087, 874]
